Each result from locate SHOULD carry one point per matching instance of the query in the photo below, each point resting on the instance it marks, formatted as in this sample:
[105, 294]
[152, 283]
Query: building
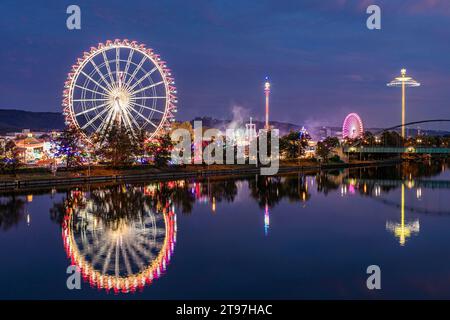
[30, 148]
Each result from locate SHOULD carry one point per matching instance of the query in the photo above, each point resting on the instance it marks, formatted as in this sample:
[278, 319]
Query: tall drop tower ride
[403, 81]
[267, 94]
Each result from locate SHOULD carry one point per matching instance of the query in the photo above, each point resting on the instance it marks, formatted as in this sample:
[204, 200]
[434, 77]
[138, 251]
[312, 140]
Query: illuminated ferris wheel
[352, 128]
[121, 83]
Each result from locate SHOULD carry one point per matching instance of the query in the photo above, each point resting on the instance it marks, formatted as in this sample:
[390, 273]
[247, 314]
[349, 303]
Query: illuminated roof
[29, 142]
[403, 79]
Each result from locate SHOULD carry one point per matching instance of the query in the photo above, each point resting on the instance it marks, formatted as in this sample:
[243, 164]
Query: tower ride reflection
[403, 230]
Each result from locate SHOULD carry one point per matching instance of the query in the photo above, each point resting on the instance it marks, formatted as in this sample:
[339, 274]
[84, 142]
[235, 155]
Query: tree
[368, 139]
[325, 147]
[160, 148]
[391, 139]
[293, 144]
[182, 125]
[11, 159]
[2, 148]
[139, 145]
[119, 146]
[67, 146]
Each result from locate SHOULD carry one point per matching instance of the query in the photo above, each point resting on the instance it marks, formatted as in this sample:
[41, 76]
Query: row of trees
[118, 148]
[394, 139]
[294, 144]
[386, 139]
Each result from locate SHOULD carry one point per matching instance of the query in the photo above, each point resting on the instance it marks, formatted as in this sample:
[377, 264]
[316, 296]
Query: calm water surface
[299, 236]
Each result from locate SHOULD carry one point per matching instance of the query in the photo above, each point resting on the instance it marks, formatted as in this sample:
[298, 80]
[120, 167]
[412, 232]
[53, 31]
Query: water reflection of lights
[266, 219]
[29, 199]
[403, 230]
[419, 193]
[343, 190]
[348, 189]
[377, 191]
[121, 255]
[351, 189]
[410, 184]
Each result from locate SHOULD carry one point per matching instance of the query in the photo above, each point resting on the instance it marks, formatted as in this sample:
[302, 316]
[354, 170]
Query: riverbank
[104, 174]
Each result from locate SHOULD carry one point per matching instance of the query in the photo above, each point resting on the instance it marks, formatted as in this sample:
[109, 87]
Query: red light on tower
[267, 93]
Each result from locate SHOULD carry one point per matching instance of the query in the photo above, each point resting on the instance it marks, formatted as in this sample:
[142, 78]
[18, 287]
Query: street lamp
[403, 81]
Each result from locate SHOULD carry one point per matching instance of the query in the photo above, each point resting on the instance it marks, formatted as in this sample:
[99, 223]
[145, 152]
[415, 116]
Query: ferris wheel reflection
[120, 238]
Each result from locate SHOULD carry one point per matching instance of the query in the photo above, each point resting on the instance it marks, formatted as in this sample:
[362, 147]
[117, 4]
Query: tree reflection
[12, 211]
[268, 190]
[119, 202]
[265, 190]
[328, 181]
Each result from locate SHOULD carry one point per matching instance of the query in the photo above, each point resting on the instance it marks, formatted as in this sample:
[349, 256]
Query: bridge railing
[418, 150]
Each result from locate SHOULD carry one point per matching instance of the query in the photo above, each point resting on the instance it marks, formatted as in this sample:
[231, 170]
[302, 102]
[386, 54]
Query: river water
[305, 235]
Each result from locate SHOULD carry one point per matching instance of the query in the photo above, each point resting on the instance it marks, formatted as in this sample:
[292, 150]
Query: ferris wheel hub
[119, 97]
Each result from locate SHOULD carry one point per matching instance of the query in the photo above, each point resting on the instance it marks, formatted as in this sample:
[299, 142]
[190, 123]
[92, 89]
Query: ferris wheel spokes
[127, 66]
[145, 107]
[142, 116]
[101, 74]
[96, 117]
[136, 70]
[148, 74]
[91, 109]
[108, 68]
[149, 87]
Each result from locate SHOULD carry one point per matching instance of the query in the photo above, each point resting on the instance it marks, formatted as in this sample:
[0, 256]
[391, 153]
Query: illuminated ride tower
[403, 81]
[267, 94]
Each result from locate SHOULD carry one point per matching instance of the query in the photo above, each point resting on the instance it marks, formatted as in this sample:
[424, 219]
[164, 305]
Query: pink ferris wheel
[352, 127]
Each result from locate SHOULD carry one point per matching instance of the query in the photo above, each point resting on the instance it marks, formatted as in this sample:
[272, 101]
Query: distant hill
[16, 120]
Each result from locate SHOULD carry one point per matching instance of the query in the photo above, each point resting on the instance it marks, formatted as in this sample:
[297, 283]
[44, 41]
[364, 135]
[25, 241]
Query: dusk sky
[322, 60]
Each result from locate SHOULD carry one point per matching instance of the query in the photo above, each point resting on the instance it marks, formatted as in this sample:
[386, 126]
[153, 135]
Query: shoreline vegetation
[41, 177]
